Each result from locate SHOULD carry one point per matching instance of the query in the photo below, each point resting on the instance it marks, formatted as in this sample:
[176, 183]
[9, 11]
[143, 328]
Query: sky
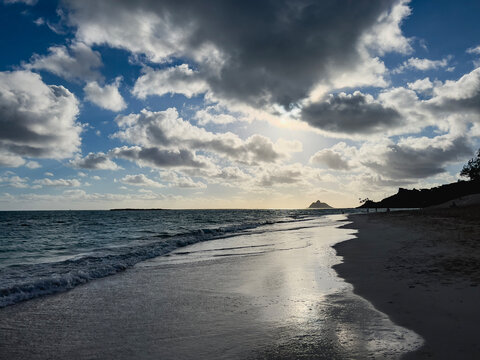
[233, 104]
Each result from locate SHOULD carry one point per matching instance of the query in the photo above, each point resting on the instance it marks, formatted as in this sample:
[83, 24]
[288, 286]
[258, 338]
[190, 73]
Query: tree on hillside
[472, 168]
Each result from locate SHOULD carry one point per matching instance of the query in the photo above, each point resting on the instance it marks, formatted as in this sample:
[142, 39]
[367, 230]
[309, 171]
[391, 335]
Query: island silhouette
[319, 205]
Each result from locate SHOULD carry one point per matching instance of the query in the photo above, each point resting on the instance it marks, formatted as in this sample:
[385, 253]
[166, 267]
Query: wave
[27, 281]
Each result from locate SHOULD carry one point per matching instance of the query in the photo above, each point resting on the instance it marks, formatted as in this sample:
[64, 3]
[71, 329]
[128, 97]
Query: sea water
[45, 252]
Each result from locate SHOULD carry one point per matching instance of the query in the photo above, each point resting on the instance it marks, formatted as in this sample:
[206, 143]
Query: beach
[422, 269]
[267, 295]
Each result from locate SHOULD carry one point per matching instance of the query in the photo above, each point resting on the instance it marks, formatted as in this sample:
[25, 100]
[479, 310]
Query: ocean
[46, 252]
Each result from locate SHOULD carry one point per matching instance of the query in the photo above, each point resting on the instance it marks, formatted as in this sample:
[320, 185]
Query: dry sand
[421, 268]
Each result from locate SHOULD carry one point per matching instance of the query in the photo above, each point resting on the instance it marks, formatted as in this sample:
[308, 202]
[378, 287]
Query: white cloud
[173, 80]
[140, 180]
[107, 97]
[217, 115]
[421, 85]
[92, 161]
[33, 165]
[422, 65]
[165, 129]
[48, 174]
[386, 35]
[14, 181]
[38, 120]
[77, 62]
[474, 50]
[176, 180]
[58, 182]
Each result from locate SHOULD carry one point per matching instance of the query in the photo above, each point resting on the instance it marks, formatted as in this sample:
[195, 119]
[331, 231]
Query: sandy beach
[422, 269]
[269, 295]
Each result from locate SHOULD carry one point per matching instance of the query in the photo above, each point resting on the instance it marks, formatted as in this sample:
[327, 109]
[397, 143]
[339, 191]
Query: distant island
[134, 209]
[425, 197]
[319, 205]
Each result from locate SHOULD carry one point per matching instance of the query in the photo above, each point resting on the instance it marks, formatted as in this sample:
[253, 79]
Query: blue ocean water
[45, 252]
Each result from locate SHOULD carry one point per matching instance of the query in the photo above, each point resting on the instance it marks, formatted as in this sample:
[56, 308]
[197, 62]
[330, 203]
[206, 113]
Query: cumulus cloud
[421, 85]
[10, 179]
[416, 158]
[140, 180]
[38, 120]
[93, 161]
[167, 130]
[422, 64]
[474, 50]
[33, 165]
[174, 80]
[176, 180]
[462, 95]
[333, 158]
[58, 182]
[158, 158]
[75, 62]
[107, 97]
[217, 115]
[355, 113]
[386, 34]
[259, 53]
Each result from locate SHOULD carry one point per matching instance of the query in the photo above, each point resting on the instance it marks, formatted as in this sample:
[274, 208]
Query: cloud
[386, 34]
[355, 113]
[256, 53]
[422, 65]
[176, 180]
[332, 158]
[174, 80]
[75, 62]
[140, 180]
[33, 165]
[26, 2]
[158, 158]
[165, 129]
[38, 120]
[217, 115]
[58, 182]
[421, 85]
[10, 160]
[462, 95]
[93, 161]
[107, 97]
[14, 181]
[416, 158]
[474, 50]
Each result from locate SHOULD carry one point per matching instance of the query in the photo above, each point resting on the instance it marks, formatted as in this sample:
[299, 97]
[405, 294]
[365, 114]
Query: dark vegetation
[429, 197]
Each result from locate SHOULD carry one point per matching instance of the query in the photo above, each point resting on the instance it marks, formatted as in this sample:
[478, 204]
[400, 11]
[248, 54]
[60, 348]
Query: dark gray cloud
[331, 159]
[416, 162]
[352, 114]
[94, 161]
[155, 157]
[36, 120]
[270, 51]
[77, 62]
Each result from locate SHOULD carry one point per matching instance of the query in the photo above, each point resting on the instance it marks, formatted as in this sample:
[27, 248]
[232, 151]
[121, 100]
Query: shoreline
[422, 269]
[269, 295]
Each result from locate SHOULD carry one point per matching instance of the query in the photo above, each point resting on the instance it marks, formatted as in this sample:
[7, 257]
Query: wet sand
[422, 269]
[271, 295]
